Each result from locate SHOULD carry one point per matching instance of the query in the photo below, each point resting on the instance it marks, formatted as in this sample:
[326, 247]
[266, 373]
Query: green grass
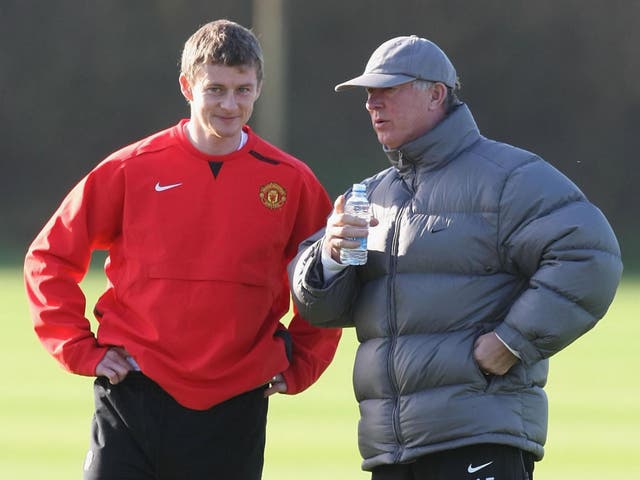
[593, 390]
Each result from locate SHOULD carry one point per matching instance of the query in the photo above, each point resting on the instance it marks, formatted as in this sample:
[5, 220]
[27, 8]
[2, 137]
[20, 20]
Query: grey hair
[422, 85]
[452, 99]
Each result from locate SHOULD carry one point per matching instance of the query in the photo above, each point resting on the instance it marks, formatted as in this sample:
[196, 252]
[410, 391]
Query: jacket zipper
[393, 332]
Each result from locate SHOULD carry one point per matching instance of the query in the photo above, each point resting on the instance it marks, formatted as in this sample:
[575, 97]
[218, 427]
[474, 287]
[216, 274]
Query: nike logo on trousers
[472, 469]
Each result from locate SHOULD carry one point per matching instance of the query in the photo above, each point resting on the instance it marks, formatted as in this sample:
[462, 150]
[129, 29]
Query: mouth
[229, 122]
[379, 123]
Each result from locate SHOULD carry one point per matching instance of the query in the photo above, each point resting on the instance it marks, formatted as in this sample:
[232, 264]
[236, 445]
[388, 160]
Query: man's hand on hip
[492, 356]
[114, 365]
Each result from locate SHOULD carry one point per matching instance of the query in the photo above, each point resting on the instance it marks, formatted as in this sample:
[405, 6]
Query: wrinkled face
[221, 99]
[400, 114]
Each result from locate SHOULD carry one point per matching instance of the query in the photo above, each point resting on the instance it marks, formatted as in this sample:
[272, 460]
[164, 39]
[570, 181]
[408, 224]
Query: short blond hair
[221, 42]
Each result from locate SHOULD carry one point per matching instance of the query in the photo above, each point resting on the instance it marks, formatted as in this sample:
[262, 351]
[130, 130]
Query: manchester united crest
[273, 195]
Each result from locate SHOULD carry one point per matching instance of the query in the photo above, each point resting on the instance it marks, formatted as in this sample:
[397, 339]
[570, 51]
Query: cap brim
[374, 80]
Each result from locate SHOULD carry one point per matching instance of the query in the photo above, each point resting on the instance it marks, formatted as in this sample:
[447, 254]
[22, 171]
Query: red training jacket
[197, 285]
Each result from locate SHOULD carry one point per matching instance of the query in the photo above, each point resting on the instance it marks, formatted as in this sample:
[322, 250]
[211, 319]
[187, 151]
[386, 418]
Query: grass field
[593, 389]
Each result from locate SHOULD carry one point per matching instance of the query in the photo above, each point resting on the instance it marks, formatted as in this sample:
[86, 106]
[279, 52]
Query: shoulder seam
[262, 158]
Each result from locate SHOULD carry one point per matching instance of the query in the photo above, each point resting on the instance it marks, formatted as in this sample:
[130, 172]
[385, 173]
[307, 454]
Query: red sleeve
[58, 259]
[313, 347]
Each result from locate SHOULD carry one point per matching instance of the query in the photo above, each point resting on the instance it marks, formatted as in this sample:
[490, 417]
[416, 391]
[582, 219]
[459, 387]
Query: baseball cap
[402, 60]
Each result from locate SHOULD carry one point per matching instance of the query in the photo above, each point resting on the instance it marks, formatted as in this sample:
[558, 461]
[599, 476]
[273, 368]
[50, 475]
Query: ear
[185, 87]
[438, 95]
[258, 90]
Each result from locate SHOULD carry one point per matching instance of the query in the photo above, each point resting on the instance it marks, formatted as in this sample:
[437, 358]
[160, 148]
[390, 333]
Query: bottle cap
[359, 187]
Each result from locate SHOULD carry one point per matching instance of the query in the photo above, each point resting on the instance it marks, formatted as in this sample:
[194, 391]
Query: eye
[379, 90]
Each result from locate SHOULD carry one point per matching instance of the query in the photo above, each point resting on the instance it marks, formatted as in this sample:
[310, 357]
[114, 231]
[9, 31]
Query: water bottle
[356, 205]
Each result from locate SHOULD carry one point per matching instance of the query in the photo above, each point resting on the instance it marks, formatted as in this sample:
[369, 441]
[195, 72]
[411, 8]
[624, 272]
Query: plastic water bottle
[357, 205]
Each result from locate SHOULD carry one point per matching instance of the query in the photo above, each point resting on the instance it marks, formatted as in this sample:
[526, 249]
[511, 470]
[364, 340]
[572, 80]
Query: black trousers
[139, 432]
[476, 462]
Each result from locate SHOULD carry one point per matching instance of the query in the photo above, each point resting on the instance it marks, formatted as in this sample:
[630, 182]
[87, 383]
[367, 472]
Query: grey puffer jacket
[474, 236]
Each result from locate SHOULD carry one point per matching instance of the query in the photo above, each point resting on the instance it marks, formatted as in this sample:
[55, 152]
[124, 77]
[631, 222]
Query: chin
[389, 145]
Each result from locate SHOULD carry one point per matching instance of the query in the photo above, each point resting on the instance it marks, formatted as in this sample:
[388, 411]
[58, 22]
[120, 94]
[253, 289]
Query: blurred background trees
[81, 78]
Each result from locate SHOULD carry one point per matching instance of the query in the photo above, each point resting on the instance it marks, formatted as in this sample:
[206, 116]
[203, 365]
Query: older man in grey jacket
[484, 261]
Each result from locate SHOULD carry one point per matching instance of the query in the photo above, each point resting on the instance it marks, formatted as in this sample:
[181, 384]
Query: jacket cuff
[514, 340]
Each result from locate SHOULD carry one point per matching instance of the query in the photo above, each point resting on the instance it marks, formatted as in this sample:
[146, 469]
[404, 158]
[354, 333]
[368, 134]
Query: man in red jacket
[200, 221]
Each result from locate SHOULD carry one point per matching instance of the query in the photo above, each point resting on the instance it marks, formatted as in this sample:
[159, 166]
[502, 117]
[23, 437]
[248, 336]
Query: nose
[374, 101]
[228, 101]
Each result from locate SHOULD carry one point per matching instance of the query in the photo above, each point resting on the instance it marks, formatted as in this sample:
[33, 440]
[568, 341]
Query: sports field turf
[594, 392]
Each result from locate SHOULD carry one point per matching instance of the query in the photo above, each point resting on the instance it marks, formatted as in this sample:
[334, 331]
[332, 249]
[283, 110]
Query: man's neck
[212, 145]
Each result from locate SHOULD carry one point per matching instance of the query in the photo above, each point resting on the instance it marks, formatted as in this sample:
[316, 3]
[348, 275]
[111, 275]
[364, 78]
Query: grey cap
[402, 60]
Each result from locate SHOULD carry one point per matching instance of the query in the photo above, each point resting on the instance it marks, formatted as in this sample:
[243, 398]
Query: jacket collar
[455, 133]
